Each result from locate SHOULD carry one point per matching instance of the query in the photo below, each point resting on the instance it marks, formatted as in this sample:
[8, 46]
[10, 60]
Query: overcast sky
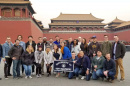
[105, 9]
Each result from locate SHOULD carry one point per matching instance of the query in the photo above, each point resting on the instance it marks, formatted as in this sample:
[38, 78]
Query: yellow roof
[14, 2]
[123, 24]
[116, 20]
[77, 17]
[77, 24]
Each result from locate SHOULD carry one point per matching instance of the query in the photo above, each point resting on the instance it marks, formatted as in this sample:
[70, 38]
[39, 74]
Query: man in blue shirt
[57, 42]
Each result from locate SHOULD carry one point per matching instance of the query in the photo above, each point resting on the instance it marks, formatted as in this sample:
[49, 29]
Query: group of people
[91, 60]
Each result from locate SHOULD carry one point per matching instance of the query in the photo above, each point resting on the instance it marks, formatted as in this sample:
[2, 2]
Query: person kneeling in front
[76, 67]
[85, 66]
[97, 64]
[109, 68]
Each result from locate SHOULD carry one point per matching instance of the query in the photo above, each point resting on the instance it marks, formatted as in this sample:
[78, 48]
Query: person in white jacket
[48, 58]
[57, 55]
[39, 56]
[76, 48]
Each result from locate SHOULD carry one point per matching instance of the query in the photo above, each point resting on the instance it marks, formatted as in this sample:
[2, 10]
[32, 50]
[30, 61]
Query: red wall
[100, 36]
[14, 28]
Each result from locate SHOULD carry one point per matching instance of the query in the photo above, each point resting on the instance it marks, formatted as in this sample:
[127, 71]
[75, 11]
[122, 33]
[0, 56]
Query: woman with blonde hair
[48, 58]
[28, 59]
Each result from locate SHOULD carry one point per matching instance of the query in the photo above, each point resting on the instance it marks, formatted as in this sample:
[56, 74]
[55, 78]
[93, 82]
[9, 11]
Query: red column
[21, 15]
[13, 12]
[26, 12]
[0, 11]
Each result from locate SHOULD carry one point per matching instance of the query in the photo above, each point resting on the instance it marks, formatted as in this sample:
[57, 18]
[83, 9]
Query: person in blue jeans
[28, 59]
[15, 53]
[109, 68]
[85, 66]
[76, 67]
[97, 64]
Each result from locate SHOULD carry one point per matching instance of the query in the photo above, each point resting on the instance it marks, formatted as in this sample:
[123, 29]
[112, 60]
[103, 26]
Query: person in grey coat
[39, 56]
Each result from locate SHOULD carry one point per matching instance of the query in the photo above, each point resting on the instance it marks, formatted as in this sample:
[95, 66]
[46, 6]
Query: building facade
[16, 18]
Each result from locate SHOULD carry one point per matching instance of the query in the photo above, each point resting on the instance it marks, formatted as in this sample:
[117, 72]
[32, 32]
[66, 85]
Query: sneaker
[83, 77]
[26, 77]
[33, 73]
[37, 76]
[6, 77]
[0, 78]
[108, 79]
[30, 77]
[77, 78]
[122, 79]
[40, 75]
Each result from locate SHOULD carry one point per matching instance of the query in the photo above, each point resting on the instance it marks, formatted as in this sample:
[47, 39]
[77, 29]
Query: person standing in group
[109, 68]
[76, 47]
[57, 55]
[66, 54]
[93, 48]
[85, 66]
[33, 44]
[97, 64]
[70, 44]
[48, 57]
[84, 46]
[90, 40]
[21, 43]
[0, 55]
[76, 67]
[57, 42]
[7, 59]
[28, 59]
[40, 43]
[51, 44]
[118, 53]
[79, 41]
[106, 47]
[15, 53]
[39, 56]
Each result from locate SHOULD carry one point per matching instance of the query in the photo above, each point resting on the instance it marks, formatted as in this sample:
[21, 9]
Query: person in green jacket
[106, 46]
[97, 64]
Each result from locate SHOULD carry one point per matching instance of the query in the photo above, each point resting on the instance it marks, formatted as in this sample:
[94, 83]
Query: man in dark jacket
[33, 44]
[85, 66]
[118, 52]
[15, 53]
[93, 48]
[76, 67]
[109, 68]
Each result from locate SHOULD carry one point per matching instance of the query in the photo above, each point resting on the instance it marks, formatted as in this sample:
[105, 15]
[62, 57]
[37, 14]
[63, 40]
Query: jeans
[111, 75]
[7, 66]
[16, 68]
[96, 74]
[27, 69]
[83, 73]
[71, 74]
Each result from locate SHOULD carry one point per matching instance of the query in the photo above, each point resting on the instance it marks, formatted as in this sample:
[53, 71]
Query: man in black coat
[15, 53]
[118, 52]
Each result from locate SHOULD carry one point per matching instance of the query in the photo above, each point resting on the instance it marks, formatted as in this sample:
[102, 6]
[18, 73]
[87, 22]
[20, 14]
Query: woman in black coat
[27, 60]
[84, 46]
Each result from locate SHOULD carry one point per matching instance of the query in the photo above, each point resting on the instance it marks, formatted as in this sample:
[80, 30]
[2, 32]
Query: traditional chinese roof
[87, 17]
[116, 20]
[123, 24]
[86, 24]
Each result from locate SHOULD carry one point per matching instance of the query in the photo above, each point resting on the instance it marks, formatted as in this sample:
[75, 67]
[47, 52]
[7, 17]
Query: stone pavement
[64, 81]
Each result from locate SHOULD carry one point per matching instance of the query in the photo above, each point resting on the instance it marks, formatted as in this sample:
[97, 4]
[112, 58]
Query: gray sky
[105, 9]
